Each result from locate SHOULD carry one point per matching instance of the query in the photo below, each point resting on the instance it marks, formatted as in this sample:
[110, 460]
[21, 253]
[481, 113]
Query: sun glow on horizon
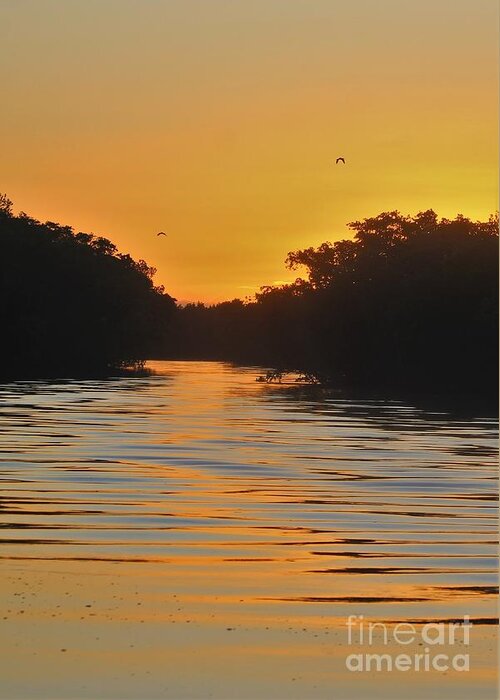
[220, 123]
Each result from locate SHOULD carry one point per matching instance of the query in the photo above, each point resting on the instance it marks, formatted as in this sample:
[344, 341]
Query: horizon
[249, 297]
[220, 124]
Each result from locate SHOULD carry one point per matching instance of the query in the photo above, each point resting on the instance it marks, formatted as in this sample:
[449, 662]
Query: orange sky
[219, 121]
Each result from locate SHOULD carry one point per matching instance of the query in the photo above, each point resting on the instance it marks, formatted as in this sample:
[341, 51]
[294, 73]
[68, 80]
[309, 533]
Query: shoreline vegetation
[72, 303]
[409, 303]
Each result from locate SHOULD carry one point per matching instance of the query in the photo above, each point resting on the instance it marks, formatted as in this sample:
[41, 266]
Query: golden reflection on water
[197, 534]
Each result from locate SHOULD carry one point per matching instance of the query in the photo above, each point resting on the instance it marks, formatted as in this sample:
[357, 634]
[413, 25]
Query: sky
[219, 122]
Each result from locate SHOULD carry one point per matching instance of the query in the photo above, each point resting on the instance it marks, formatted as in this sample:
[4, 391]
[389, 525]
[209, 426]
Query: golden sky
[219, 121]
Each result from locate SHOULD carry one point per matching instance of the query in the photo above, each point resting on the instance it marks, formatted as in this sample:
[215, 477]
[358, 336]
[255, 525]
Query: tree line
[71, 303]
[407, 301]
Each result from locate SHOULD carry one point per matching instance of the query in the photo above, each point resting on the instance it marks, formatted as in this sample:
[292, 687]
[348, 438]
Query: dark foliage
[71, 303]
[411, 301]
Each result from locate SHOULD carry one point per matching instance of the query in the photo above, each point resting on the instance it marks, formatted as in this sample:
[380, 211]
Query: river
[198, 534]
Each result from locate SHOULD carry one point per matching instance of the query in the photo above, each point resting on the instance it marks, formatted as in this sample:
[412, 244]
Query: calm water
[198, 534]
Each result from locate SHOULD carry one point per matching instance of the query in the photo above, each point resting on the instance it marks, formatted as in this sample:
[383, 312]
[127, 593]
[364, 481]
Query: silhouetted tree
[70, 302]
[409, 301]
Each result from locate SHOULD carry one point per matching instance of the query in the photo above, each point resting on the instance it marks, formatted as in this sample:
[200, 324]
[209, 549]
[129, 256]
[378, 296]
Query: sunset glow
[220, 122]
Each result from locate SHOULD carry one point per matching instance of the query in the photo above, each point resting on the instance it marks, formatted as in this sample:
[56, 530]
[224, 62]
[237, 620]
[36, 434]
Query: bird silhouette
[340, 160]
[161, 233]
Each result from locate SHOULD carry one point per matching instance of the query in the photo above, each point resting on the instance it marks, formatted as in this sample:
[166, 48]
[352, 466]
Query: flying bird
[161, 233]
[340, 160]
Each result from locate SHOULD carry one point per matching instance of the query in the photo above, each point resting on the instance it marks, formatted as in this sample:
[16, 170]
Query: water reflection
[259, 502]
